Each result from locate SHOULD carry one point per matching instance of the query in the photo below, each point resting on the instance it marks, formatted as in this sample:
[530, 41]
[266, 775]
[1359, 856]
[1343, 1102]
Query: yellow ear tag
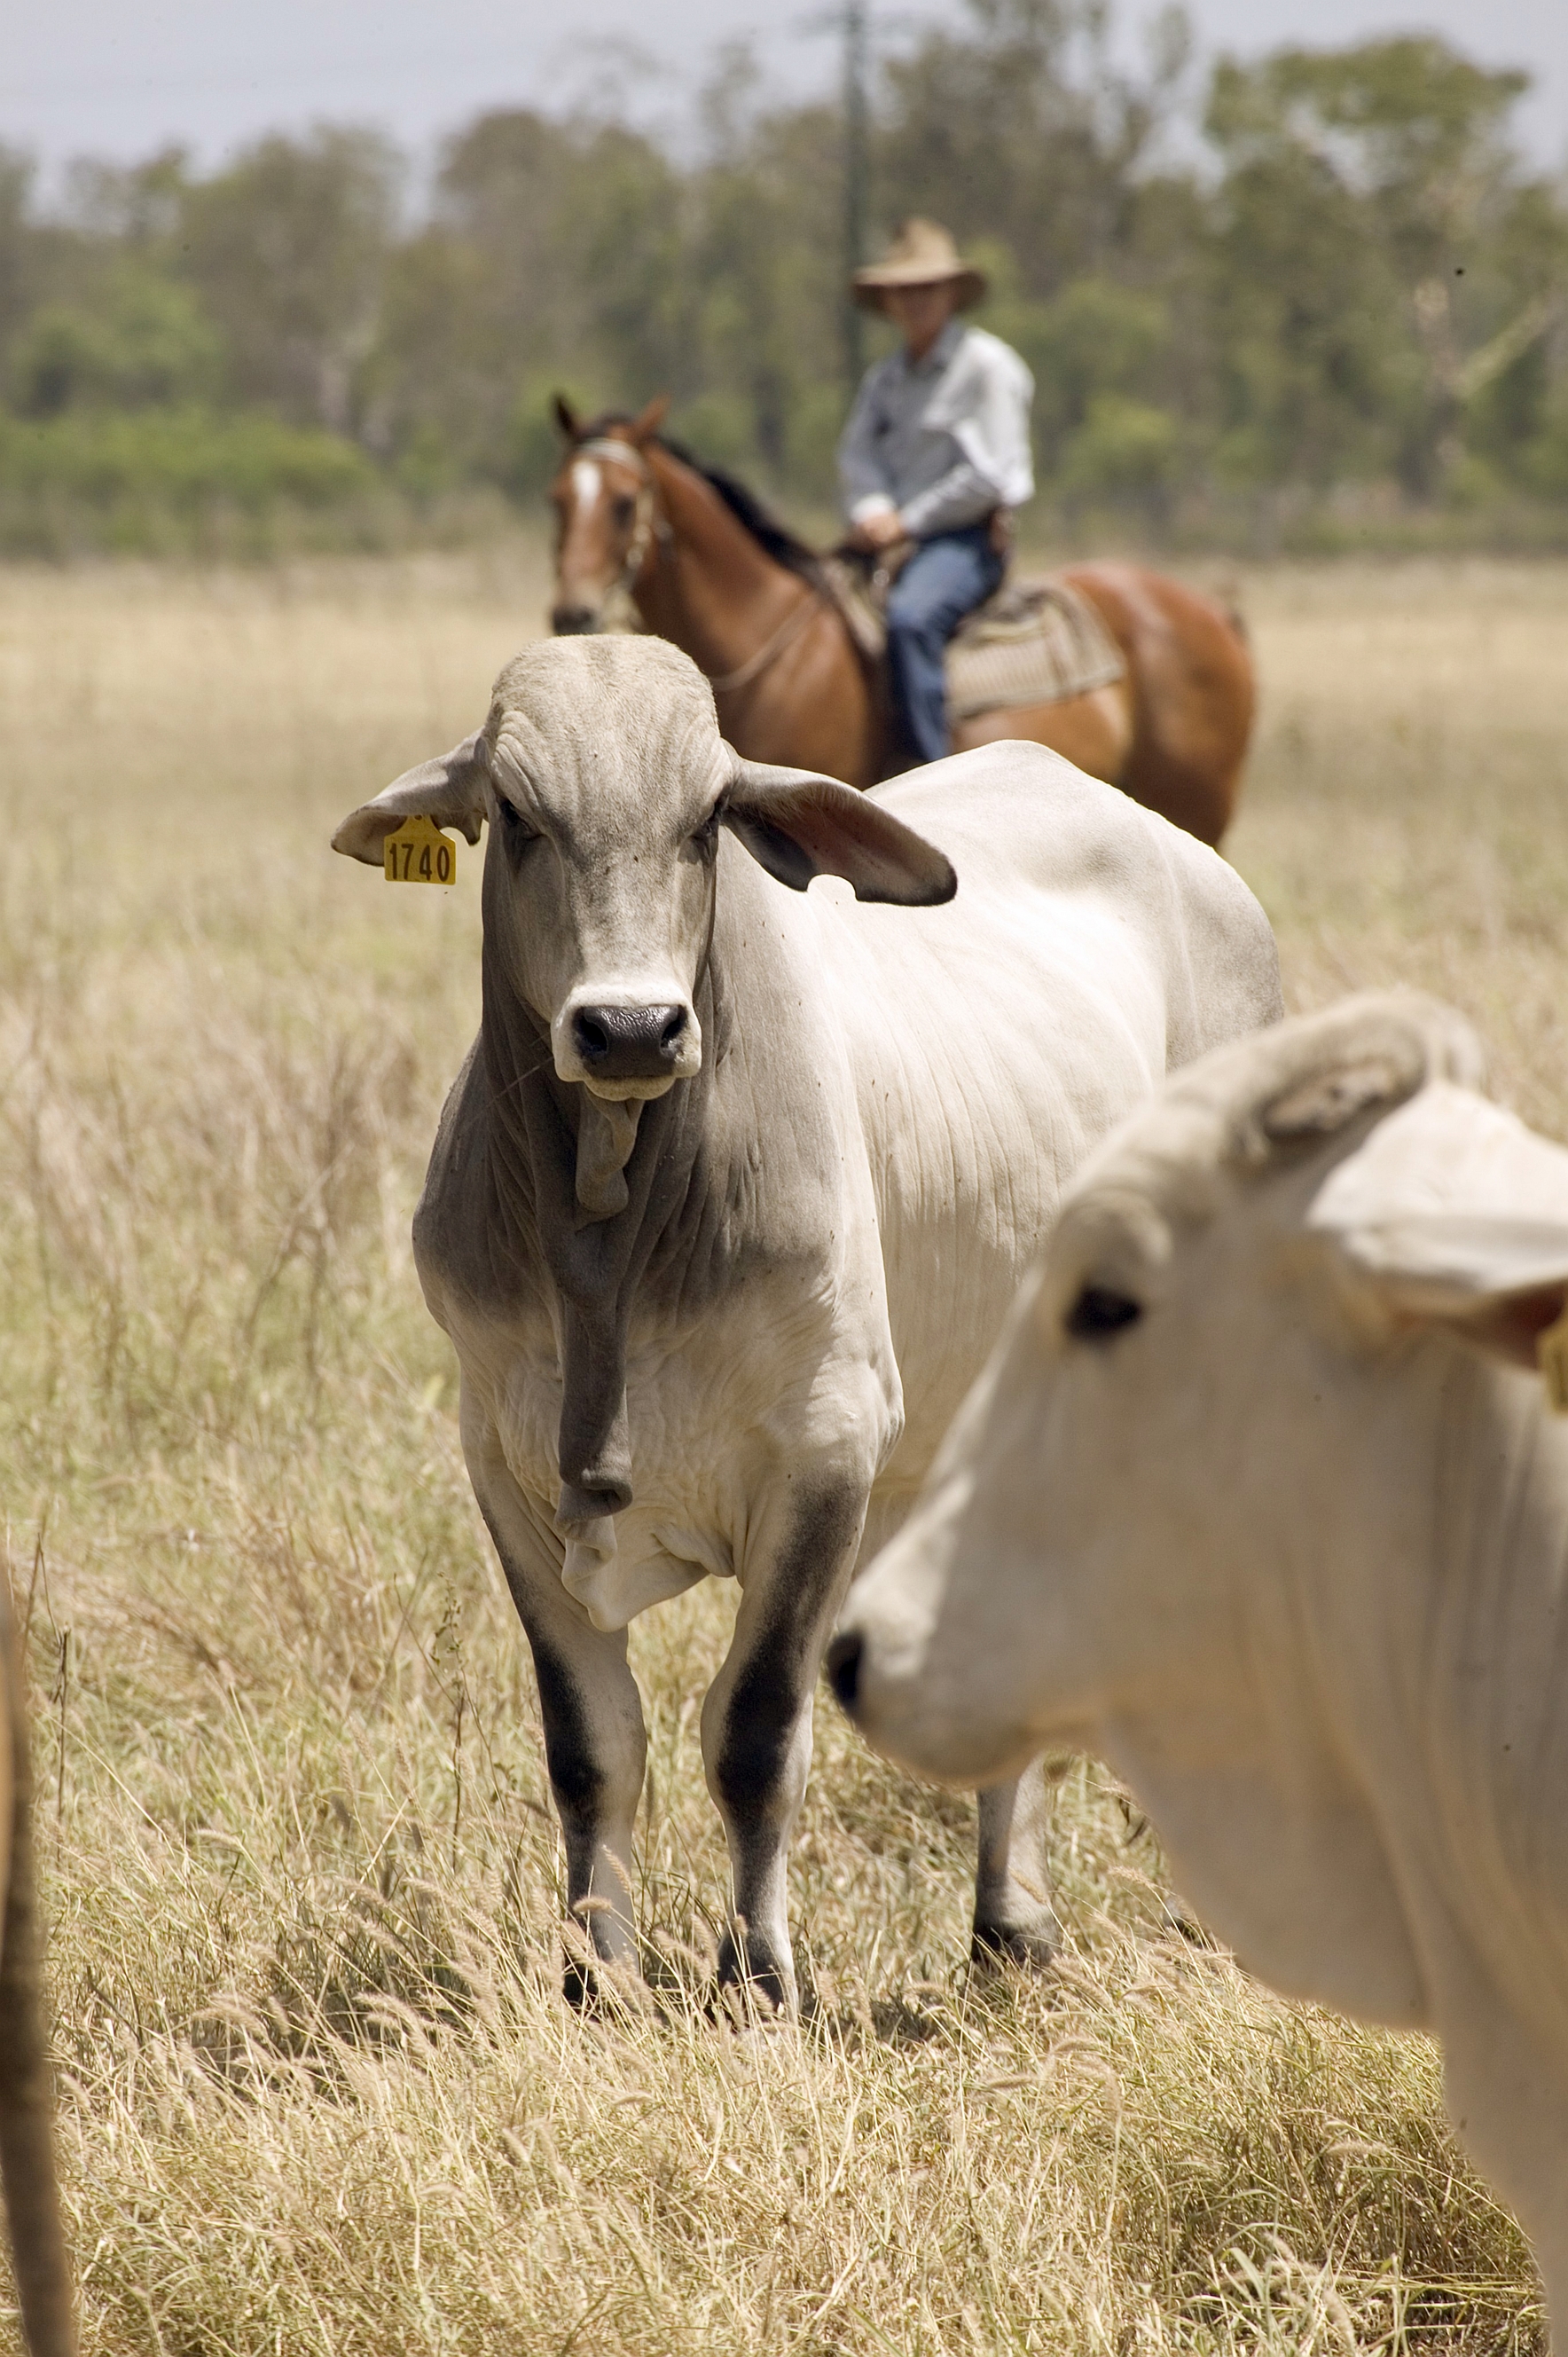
[1551, 1357]
[418, 852]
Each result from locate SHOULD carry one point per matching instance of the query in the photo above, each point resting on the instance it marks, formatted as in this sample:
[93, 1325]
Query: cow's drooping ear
[799, 826]
[1453, 1214]
[450, 790]
[566, 417]
[1494, 1281]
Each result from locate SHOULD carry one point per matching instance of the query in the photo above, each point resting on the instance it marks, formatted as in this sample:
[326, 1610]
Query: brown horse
[707, 567]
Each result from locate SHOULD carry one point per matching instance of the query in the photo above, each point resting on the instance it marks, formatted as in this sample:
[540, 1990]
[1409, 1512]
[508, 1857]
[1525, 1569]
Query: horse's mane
[775, 539]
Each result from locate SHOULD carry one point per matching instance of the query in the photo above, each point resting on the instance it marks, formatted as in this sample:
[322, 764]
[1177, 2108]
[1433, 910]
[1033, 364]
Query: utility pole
[856, 179]
[852, 22]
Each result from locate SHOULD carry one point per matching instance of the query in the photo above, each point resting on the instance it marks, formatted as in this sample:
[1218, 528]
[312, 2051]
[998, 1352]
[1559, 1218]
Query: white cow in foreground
[734, 1191]
[1262, 1499]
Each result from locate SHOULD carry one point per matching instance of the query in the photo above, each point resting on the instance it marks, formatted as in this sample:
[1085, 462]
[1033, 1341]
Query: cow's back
[1011, 816]
[1091, 948]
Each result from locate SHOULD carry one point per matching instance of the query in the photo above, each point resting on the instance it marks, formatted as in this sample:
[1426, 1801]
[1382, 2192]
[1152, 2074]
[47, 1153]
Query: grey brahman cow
[737, 1183]
[1262, 1499]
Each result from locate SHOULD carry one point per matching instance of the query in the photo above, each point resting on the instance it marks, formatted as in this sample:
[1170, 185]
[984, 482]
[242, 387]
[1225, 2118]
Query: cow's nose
[844, 1667]
[628, 1043]
[573, 621]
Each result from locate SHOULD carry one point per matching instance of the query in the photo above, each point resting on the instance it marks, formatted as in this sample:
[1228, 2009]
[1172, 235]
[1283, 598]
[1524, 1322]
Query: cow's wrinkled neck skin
[603, 1185]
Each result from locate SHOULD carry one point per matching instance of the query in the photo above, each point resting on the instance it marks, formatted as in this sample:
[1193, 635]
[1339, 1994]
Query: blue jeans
[948, 576]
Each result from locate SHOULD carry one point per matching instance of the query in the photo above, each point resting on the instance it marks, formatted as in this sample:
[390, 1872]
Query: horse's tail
[27, 2087]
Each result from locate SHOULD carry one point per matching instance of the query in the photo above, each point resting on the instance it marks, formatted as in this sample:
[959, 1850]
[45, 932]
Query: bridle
[651, 525]
[648, 525]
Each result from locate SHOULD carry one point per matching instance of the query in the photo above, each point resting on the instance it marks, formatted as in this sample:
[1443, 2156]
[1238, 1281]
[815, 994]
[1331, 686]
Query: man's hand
[885, 530]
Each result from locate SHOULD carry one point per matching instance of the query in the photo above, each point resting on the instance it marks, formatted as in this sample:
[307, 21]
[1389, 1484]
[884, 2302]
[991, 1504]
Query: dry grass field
[319, 2091]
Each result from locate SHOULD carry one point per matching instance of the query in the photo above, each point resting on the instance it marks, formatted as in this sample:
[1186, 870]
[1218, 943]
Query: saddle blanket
[1038, 640]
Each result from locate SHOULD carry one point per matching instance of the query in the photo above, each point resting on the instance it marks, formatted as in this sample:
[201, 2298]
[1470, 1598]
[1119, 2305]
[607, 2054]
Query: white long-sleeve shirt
[942, 440]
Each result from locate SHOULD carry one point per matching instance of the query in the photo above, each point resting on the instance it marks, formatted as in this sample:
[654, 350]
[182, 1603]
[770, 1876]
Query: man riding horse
[1136, 678]
[936, 452]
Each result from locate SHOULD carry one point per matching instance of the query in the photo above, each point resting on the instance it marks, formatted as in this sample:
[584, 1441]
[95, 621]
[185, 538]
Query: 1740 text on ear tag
[418, 852]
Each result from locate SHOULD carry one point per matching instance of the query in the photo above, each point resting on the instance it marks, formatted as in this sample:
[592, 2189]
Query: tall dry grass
[319, 2089]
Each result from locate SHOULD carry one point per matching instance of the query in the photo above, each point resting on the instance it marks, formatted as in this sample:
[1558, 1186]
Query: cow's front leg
[756, 1718]
[595, 1741]
[1014, 1917]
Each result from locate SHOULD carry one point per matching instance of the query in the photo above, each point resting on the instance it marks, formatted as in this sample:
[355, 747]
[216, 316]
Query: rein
[789, 630]
[652, 524]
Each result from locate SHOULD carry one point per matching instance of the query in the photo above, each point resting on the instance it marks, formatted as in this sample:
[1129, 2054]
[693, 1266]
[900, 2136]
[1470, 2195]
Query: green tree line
[1327, 282]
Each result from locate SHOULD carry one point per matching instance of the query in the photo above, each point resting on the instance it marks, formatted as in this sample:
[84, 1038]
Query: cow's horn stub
[1312, 1078]
[1323, 1103]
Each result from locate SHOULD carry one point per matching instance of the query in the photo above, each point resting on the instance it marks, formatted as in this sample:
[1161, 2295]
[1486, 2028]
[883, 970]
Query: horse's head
[605, 512]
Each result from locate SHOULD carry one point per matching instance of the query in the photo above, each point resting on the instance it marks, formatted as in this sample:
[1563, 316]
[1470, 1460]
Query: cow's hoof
[594, 1984]
[583, 1988]
[1180, 1925]
[1030, 1944]
[754, 1986]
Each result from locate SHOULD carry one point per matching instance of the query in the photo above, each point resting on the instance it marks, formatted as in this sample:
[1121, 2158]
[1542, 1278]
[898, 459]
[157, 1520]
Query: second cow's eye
[1099, 1312]
[624, 511]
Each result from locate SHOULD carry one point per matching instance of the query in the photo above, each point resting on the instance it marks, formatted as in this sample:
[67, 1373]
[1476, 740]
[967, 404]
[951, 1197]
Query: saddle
[1037, 640]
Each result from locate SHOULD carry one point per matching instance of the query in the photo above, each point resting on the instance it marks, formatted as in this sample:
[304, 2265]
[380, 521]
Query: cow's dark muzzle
[573, 621]
[628, 1043]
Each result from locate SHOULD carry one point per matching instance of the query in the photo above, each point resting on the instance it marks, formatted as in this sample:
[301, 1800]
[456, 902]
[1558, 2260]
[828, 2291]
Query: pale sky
[118, 78]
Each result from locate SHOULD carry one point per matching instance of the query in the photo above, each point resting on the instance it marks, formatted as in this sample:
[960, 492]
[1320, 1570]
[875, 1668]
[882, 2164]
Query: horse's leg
[1095, 730]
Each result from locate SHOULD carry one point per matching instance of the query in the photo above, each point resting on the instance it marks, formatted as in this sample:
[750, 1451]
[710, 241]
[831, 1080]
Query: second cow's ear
[450, 790]
[1452, 1213]
[799, 826]
[1492, 1280]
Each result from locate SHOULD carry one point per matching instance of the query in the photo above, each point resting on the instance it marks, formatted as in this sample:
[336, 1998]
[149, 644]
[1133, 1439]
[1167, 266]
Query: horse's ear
[566, 417]
[645, 427]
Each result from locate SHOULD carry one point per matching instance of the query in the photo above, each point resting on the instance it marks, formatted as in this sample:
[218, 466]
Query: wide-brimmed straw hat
[921, 255]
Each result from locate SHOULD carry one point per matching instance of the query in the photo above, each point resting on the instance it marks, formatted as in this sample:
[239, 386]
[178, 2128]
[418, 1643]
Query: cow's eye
[624, 511]
[515, 826]
[1101, 1311]
[703, 837]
